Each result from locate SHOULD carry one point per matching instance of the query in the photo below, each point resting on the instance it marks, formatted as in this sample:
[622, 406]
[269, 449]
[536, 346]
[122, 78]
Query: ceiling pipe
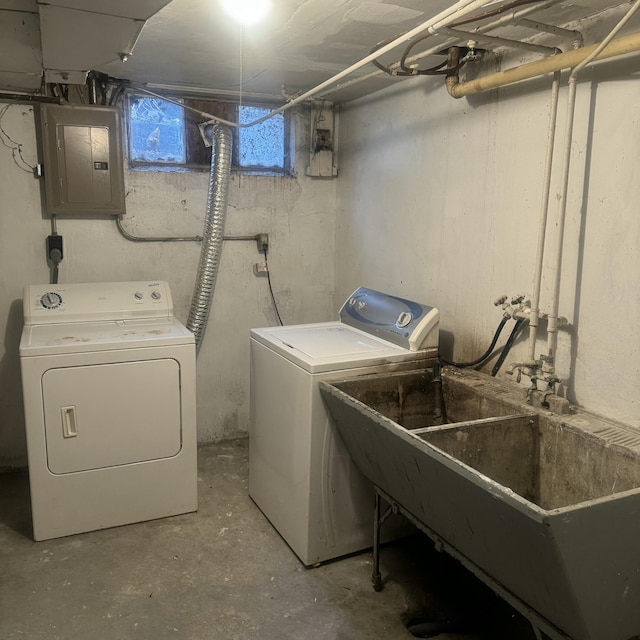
[455, 11]
[544, 214]
[500, 42]
[500, 22]
[619, 47]
[572, 34]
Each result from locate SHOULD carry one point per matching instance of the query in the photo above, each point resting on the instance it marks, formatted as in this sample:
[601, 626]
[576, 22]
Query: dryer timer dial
[51, 300]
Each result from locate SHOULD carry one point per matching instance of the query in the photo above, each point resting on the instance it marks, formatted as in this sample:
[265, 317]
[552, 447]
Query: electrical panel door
[83, 160]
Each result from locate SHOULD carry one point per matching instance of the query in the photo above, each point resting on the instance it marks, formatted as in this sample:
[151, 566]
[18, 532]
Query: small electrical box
[83, 160]
[323, 148]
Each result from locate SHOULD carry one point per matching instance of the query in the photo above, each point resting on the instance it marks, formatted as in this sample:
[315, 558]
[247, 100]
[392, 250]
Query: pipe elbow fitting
[454, 87]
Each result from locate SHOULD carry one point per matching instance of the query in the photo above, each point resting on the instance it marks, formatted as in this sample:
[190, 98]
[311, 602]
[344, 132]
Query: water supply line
[213, 234]
[534, 316]
[549, 369]
[576, 60]
[532, 367]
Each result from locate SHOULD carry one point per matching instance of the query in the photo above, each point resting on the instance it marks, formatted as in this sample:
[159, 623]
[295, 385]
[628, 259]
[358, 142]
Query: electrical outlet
[260, 269]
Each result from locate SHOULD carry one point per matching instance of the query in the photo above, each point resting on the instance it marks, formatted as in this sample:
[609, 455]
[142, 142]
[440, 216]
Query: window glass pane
[157, 130]
[263, 144]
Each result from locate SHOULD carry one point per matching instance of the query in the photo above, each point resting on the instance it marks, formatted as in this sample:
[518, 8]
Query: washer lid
[79, 337]
[330, 346]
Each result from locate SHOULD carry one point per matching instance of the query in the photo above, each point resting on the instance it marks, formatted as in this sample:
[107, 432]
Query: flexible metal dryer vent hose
[213, 234]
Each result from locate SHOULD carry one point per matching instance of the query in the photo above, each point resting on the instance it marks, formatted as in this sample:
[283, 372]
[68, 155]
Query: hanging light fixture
[246, 12]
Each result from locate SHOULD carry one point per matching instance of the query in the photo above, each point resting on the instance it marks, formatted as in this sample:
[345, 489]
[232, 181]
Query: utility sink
[544, 508]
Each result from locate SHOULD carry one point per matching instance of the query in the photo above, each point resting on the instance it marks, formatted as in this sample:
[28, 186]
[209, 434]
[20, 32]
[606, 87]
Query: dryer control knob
[51, 300]
[138, 295]
[404, 319]
[156, 295]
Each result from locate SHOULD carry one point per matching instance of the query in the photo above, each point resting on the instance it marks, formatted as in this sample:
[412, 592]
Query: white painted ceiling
[193, 44]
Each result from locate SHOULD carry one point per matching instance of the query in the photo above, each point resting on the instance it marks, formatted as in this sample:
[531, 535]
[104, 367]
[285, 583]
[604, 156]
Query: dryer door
[106, 415]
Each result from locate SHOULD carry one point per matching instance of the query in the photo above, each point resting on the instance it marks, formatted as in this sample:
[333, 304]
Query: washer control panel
[409, 324]
[94, 302]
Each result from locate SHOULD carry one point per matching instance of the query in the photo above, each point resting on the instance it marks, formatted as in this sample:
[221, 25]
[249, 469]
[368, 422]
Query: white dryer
[300, 474]
[108, 379]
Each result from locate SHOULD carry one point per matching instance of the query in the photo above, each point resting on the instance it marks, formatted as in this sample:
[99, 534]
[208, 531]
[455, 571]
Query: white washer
[108, 377]
[300, 475]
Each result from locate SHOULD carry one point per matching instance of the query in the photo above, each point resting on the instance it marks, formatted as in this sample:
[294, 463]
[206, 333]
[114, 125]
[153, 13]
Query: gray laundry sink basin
[546, 508]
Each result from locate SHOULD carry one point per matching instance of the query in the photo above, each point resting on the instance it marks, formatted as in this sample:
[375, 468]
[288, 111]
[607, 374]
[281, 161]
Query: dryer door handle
[69, 423]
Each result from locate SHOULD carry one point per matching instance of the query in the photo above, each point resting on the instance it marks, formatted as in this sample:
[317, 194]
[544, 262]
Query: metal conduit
[213, 235]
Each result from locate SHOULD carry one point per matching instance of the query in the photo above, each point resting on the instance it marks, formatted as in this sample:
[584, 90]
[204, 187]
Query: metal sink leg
[378, 520]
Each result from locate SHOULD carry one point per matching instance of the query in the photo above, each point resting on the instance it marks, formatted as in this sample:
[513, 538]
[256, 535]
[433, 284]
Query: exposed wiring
[15, 147]
[487, 353]
[405, 70]
[319, 115]
[273, 298]
[458, 23]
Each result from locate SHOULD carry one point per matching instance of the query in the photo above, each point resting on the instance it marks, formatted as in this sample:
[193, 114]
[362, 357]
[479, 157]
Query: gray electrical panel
[83, 160]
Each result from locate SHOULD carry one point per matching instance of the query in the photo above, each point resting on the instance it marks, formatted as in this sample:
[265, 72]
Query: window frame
[226, 110]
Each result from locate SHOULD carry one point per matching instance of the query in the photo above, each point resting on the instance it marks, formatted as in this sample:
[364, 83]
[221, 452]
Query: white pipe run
[504, 20]
[499, 42]
[544, 213]
[596, 52]
[573, 35]
[452, 13]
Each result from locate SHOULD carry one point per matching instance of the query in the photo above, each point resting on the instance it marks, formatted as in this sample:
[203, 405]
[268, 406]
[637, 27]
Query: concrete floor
[222, 574]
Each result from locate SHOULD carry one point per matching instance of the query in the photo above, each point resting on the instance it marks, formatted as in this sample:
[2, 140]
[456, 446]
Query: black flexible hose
[486, 354]
[507, 347]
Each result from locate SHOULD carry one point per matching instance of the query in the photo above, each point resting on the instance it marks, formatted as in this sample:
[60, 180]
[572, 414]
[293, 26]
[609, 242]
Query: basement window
[164, 136]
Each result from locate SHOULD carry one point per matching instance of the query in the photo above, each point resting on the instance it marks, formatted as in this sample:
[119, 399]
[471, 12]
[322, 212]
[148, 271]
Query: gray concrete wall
[439, 201]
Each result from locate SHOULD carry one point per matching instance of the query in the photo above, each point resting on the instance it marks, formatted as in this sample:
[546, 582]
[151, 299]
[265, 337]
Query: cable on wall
[273, 298]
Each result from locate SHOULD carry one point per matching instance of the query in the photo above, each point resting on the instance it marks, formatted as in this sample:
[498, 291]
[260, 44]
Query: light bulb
[246, 12]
